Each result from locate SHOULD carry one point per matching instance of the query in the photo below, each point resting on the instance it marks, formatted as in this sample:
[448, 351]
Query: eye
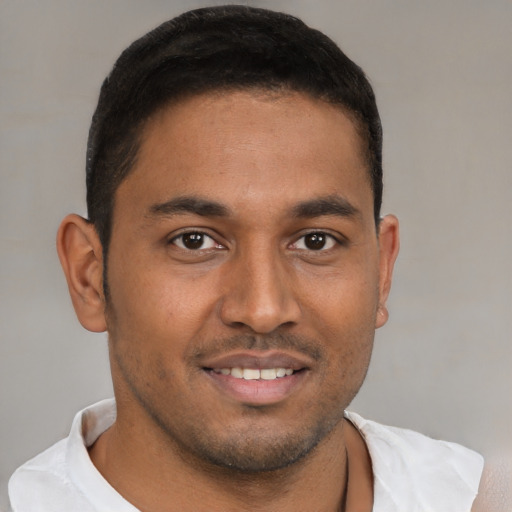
[195, 240]
[317, 241]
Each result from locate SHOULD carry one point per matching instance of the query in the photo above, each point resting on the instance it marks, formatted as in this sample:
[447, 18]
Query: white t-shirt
[412, 473]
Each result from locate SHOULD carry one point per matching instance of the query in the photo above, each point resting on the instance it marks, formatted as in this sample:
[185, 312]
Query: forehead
[258, 145]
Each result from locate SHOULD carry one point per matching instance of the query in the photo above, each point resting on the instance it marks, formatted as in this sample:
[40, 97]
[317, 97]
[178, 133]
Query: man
[236, 256]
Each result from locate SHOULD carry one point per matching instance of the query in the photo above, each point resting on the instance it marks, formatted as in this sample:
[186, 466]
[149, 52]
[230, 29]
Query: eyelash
[204, 236]
[329, 239]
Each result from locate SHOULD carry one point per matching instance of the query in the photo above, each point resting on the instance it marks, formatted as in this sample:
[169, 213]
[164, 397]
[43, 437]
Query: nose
[260, 294]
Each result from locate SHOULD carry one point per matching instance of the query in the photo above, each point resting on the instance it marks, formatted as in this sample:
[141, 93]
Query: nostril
[260, 299]
[237, 325]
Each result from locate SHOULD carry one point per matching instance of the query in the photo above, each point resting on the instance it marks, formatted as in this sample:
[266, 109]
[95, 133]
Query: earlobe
[389, 244]
[81, 257]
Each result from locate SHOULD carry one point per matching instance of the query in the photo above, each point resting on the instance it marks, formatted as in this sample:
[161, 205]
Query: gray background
[442, 73]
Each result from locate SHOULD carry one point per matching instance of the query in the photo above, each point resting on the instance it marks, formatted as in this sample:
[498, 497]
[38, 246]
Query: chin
[260, 451]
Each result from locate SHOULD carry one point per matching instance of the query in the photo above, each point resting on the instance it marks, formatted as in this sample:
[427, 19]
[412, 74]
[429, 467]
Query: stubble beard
[261, 447]
[260, 451]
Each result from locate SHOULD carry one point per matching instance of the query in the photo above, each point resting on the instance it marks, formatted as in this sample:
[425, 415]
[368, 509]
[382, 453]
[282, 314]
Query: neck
[155, 476]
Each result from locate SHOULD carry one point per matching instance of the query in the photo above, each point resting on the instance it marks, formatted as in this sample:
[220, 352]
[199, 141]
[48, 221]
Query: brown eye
[194, 240]
[315, 241]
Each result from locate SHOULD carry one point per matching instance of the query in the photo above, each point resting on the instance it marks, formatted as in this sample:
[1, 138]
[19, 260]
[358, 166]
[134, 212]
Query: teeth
[251, 374]
[268, 373]
[255, 374]
[237, 372]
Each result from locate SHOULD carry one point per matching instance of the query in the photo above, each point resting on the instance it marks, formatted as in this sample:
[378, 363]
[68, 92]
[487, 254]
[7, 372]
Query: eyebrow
[328, 205]
[189, 204]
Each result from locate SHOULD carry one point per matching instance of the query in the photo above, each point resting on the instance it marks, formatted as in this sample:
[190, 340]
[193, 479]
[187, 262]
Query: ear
[389, 244]
[81, 257]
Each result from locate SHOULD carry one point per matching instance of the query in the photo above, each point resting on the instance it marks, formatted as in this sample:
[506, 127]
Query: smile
[257, 378]
[254, 373]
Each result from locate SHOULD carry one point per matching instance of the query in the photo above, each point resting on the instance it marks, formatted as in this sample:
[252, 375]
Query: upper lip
[258, 360]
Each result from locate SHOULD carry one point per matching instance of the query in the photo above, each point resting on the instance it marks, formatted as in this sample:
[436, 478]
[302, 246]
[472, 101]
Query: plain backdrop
[442, 72]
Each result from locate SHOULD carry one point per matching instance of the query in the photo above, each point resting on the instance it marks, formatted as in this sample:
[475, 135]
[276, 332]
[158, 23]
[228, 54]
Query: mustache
[259, 342]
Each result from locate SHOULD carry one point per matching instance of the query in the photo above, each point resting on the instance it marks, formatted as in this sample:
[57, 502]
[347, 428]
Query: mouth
[255, 373]
[257, 379]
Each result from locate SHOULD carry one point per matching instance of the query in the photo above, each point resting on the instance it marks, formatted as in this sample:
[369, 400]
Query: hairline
[269, 91]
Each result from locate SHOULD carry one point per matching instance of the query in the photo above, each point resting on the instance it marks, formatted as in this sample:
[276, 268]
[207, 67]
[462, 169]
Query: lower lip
[258, 391]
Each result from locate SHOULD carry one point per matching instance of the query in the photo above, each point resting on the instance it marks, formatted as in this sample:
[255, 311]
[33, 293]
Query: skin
[260, 175]
[495, 491]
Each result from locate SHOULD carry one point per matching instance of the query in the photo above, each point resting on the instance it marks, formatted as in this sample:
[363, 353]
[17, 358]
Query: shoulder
[43, 483]
[415, 472]
[61, 477]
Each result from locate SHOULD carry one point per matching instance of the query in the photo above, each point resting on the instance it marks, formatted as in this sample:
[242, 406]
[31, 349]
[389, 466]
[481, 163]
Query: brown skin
[495, 491]
[255, 284]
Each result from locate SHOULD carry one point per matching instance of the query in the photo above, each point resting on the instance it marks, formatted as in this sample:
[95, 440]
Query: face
[244, 274]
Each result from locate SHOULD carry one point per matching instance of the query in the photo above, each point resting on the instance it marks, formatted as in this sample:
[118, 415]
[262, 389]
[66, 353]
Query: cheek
[343, 313]
[138, 287]
[344, 301]
[159, 310]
